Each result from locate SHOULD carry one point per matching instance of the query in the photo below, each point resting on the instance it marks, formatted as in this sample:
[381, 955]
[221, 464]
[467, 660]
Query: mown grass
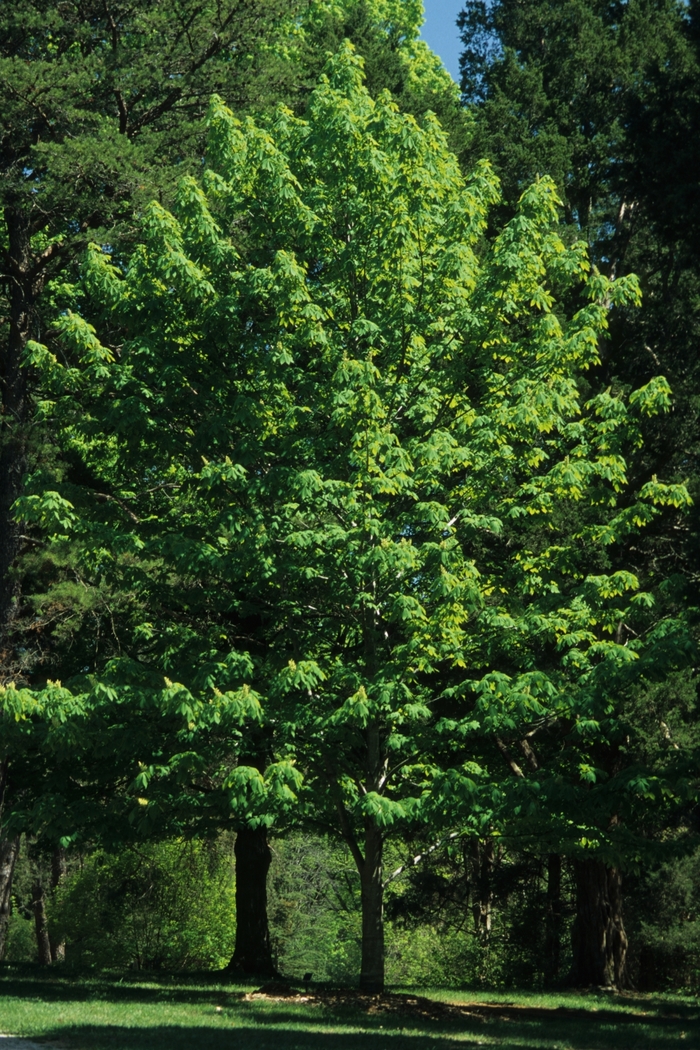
[100, 1013]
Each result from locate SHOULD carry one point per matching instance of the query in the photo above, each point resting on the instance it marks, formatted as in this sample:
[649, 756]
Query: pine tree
[577, 89]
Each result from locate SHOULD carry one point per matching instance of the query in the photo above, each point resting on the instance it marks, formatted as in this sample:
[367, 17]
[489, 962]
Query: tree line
[348, 443]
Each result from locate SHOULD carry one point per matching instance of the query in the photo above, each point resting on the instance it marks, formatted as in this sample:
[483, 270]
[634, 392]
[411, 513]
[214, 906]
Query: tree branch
[419, 857]
[104, 497]
[530, 755]
[512, 764]
[345, 826]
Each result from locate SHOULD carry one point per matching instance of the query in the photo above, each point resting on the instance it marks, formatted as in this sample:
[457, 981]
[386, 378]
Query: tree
[334, 414]
[102, 111]
[386, 33]
[37, 729]
[577, 89]
[106, 99]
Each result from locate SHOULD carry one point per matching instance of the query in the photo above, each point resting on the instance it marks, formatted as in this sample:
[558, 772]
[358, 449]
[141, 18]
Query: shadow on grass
[65, 987]
[392, 1023]
[273, 1038]
[249, 1027]
[520, 1027]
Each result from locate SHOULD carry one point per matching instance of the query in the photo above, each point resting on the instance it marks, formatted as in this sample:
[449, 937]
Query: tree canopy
[321, 425]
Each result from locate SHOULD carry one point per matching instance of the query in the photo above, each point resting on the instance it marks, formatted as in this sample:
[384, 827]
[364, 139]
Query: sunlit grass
[104, 1013]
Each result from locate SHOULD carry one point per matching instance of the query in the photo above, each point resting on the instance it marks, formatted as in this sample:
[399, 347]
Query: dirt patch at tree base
[420, 1007]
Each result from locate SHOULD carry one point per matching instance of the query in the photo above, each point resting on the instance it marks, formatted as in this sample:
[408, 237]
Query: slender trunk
[599, 940]
[13, 393]
[58, 871]
[372, 895]
[552, 944]
[370, 866]
[9, 851]
[619, 936]
[253, 952]
[482, 863]
[41, 928]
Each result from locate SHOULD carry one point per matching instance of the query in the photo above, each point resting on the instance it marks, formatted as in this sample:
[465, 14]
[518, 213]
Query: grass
[180, 1013]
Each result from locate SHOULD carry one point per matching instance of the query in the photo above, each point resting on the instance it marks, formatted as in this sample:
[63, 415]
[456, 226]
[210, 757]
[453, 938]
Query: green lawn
[185, 1014]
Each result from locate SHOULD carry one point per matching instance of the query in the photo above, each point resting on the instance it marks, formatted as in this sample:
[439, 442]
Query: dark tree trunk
[482, 863]
[13, 394]
[372, 895]
[552, 944]
[598, 938]
[58, 870]
[253, 952]
[41, 928]
[9, 851]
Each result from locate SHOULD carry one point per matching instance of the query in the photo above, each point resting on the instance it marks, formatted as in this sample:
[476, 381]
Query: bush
[169, 905]
[314, 909]
[664, 925]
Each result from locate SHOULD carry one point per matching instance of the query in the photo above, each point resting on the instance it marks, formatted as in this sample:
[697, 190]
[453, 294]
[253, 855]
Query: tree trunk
[58, 871]
[372, 895]
[552, 944]
[13, 392]
[482, 863]
[598, 938]
[9, 851]
[41, 928]
[253, 952]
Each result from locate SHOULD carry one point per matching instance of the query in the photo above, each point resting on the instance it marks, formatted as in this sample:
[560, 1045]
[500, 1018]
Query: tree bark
[482, 863]
[13, 393]
[9, 851]
[58, 871]
[552, 945]
[598, 938]
[41, 927]
[372, 896]
[253, 951]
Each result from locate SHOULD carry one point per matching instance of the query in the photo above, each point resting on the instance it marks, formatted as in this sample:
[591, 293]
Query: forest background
[530, 794]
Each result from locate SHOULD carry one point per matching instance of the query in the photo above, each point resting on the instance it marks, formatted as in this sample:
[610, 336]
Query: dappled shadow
[257, 1026]
[62, 987]
[170, 1037]
[234, 1017]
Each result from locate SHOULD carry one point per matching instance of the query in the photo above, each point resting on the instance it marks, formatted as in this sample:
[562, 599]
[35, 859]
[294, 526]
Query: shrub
[168, 905]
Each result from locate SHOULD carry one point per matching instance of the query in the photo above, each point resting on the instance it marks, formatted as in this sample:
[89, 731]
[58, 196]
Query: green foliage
[313, 904]
[431, 940]
[395, 58]
[103, 111]
[594, 92]
[553, 85]
[665, 924]
[345, 441]
[168, 905]
[342, 455]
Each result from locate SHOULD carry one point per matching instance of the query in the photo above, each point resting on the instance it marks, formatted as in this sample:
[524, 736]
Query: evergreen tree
[593, 91]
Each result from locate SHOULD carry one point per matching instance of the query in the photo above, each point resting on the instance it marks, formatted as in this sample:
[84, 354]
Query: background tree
[575, 89]
[102, 105]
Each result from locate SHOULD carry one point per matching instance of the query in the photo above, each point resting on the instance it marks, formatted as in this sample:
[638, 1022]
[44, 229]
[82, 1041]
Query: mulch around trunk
[420, 1007]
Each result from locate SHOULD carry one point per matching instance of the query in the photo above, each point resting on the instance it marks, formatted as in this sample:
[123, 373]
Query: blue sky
[440, 31]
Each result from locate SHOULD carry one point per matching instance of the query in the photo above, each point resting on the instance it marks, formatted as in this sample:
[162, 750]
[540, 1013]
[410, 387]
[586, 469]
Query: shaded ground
[141, 1013]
